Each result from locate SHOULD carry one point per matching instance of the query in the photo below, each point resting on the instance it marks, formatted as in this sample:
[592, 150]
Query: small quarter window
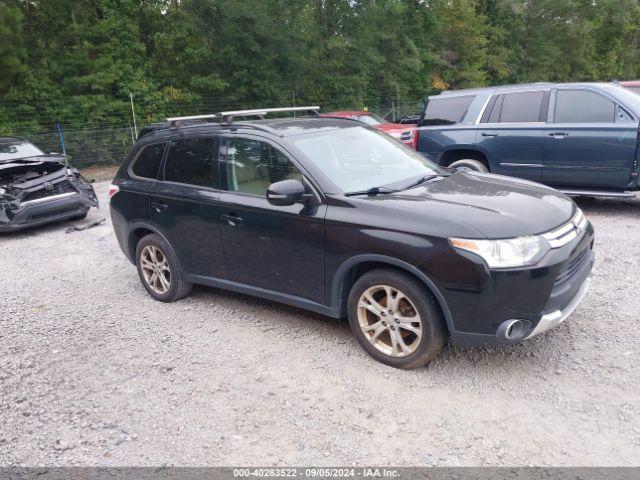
[622, 116]
[252, 165]
[583, 106]
[148, 162]
[190, 161]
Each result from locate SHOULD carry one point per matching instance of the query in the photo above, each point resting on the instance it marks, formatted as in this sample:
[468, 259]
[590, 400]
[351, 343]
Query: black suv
[333, 216]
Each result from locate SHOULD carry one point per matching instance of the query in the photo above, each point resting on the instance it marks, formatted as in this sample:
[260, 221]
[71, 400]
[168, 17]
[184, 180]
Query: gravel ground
[94, 372]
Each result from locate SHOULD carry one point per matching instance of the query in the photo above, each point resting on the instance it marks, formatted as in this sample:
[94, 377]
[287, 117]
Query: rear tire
[469, 165]
[160, 271]
[395, 319]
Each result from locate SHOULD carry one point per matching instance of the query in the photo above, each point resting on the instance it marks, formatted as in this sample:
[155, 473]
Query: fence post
[293, 98]
[133, 114]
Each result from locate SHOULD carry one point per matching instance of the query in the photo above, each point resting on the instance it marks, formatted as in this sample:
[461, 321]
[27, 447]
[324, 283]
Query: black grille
[54, 189]
[53, 213]
[572, 268]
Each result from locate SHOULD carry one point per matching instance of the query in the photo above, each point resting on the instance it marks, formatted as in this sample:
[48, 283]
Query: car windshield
[362, 158]
[11, 149]
[370, 119]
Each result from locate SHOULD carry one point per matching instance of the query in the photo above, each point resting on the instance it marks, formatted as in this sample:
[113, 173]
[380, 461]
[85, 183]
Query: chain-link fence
[89, 144]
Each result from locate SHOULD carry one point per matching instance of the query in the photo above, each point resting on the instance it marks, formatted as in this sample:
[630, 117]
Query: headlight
[512, 252]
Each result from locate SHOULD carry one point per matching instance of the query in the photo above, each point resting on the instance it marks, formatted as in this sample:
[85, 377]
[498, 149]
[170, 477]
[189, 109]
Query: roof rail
[227, 117]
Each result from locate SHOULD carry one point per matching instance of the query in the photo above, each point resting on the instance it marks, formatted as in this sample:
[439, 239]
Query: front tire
[395, 319]
[159, 270]
[469, 165]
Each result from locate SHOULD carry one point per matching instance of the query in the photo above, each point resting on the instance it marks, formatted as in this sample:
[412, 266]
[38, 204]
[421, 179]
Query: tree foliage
[77, 60]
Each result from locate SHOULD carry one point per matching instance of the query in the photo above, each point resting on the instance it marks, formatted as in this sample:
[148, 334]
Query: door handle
[159, 206]
[489, 134]
[232, 219]
[559, 134]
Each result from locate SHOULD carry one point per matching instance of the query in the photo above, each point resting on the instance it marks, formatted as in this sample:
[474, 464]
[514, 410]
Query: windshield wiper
[371, 191]
[377, 190]
[426, 178]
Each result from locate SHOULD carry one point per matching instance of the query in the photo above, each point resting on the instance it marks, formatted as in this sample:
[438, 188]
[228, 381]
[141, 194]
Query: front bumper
[509, 306]
[51, 209]
[555, 318]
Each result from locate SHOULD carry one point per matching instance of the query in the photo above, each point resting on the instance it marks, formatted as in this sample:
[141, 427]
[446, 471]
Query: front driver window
[583, 106]
[252, 165]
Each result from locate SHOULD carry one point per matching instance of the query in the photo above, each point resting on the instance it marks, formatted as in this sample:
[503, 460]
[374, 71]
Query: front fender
[341, 280]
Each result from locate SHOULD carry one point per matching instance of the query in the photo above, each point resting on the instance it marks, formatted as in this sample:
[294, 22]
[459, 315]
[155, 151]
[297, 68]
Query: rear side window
[582, 106]
[447, 111]
[147, 164]
[521, 107]
[190, 161]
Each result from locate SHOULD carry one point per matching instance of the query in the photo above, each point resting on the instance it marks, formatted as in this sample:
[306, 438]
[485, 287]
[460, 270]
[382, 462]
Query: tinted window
[581, 106]
[521, 107]
[190, 161]
[252, 166]
[446, 111]
[148, 161]
[495, 112]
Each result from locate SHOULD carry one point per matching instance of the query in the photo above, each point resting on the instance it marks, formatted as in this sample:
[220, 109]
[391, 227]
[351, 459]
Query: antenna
[61, 140]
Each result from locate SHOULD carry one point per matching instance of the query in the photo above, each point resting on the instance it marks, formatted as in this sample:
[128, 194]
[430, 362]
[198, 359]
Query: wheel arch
[137, 231]
[450, 156]
[356, 266]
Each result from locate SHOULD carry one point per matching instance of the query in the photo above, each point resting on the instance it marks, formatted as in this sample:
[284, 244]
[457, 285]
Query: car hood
[492, 206]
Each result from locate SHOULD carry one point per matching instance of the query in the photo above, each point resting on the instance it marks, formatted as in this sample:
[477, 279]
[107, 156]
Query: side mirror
[286, 192]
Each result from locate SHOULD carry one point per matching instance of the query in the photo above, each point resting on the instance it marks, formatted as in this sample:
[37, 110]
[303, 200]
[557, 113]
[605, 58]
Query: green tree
[12, 52]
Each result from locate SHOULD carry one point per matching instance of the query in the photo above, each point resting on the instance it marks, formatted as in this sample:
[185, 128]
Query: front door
[274, 248]
[511, 133]
[185, 205]
[589, 143]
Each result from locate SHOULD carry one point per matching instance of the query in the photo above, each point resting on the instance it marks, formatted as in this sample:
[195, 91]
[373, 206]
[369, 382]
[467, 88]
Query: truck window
[583, 106]
[521, 107]
[447, 111]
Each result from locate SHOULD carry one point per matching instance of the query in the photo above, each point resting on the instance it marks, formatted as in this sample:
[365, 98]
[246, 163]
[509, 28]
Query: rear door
[185, 204]
[590, 141]
[276, 248]
[511, 133]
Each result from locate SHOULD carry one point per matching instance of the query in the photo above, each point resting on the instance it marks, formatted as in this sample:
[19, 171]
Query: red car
[407, 134]
[633, 85]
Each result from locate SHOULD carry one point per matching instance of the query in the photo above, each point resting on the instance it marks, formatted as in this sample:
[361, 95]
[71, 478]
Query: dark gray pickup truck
[581, 138]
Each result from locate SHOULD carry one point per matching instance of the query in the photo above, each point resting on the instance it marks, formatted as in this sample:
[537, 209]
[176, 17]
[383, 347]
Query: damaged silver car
[38, 188]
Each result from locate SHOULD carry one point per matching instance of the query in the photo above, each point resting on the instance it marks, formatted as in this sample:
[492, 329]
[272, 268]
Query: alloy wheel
[389, 320]
[155, 269]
